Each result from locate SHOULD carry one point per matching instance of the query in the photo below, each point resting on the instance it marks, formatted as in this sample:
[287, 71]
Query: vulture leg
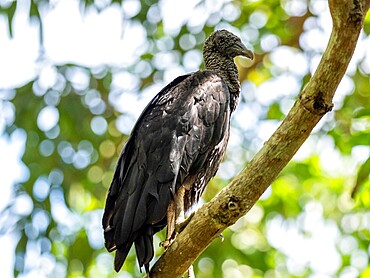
[176, 221]
[175, 217]
[179, 203]
[181, 222]
[170, 225]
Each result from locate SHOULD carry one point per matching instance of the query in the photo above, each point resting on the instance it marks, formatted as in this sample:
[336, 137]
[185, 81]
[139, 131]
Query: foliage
[71, 162]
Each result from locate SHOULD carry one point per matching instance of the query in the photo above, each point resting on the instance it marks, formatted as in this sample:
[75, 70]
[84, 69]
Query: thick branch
[241, 194]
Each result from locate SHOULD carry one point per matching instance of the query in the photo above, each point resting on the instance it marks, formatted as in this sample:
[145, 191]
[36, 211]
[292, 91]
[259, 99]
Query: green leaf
[360, 138]
[274, 112]
[362, 176]
[362, 112]
[367, 24]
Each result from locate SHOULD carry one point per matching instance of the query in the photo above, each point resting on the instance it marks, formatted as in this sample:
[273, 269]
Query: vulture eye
[221, 41]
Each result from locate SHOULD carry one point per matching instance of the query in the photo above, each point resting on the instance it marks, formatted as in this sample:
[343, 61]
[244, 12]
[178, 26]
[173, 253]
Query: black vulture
[175, 148]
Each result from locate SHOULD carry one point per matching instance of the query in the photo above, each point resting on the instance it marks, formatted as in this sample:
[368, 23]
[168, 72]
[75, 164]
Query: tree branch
[241, 194]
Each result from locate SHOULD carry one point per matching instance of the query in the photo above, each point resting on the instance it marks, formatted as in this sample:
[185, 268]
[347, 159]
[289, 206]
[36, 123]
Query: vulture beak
[241, 50]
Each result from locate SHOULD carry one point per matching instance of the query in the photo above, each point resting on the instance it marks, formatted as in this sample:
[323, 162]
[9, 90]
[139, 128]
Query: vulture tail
[144, 247]
[121, 255]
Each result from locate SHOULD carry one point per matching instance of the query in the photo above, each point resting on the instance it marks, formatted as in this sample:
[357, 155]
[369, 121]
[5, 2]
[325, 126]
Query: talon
[166, 244]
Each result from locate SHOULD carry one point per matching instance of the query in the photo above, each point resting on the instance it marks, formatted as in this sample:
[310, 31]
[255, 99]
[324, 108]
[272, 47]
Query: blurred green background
[74, 77]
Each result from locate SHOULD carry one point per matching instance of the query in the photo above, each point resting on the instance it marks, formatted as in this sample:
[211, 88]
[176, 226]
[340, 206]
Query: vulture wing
[170, 142]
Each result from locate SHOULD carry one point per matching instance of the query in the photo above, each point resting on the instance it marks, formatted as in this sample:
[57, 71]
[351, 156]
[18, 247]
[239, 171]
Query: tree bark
[315, 100]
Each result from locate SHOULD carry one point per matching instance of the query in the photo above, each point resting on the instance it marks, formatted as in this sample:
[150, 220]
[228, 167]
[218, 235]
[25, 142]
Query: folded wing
[174, 140]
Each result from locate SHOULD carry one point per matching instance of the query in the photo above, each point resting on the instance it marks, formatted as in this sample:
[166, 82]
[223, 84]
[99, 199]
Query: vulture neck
[227, 70]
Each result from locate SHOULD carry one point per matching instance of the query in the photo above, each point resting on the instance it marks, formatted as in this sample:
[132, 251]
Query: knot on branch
[232, 205]
[228, 212]
[347, 14]
[316, 103]
[356, 14]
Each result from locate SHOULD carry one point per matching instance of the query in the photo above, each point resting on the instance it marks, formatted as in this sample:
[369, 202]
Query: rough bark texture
[241, 194]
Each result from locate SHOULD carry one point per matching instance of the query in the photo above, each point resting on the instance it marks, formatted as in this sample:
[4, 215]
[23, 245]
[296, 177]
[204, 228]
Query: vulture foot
[179, 227]
[167, 243]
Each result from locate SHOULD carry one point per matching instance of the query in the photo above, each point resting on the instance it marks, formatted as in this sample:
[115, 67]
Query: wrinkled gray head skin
[226, 44]
[219, 52]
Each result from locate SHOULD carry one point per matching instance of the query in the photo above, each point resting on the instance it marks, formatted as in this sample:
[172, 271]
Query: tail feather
[119, 259]
[144, 248]
[109, 239]
[121, 255]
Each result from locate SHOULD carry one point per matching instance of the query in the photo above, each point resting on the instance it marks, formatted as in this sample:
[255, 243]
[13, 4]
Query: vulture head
[227, 45]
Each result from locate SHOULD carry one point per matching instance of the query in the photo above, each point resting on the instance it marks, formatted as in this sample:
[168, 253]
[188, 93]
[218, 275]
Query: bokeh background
[74, 77]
